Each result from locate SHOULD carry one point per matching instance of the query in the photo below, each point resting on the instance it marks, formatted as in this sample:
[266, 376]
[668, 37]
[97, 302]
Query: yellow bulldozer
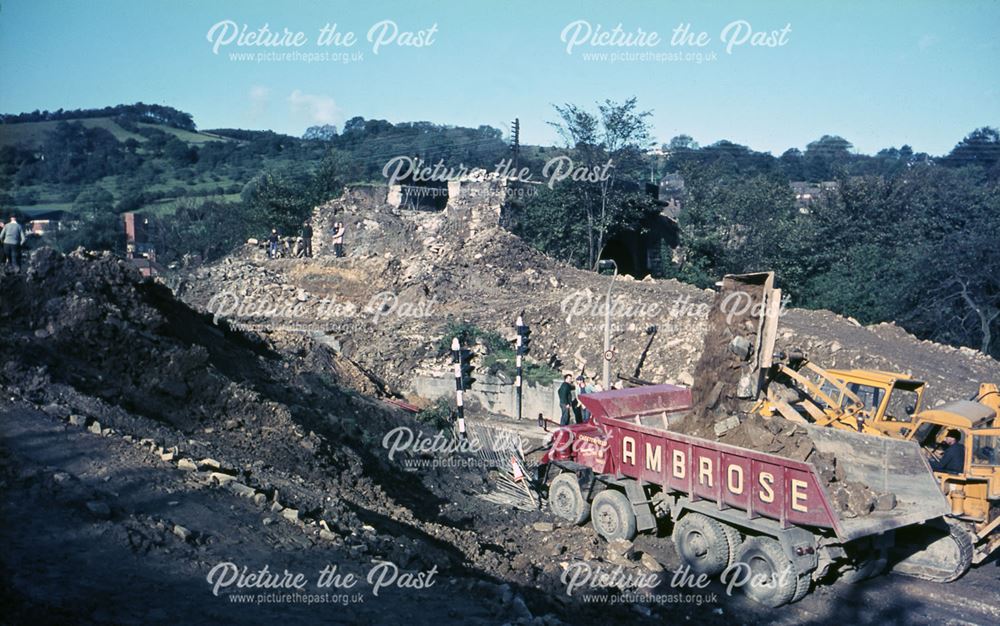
[891, 404]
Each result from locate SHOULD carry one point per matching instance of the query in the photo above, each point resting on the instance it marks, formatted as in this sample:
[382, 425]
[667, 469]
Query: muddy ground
[69, 560]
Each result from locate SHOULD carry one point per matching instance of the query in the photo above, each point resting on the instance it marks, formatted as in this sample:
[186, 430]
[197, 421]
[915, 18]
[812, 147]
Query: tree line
[896, 236]
[899, 235]
[138, 112]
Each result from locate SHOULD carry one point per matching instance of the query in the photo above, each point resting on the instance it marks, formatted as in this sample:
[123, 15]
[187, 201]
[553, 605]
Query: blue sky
[877, 73]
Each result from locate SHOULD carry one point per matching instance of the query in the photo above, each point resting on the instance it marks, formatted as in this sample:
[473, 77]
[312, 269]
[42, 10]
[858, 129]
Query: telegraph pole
[515, 141]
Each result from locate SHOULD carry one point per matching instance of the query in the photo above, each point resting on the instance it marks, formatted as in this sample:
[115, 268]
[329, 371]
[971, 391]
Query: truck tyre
[866, 567]
[801, 587]
[703, 543]
[565, 499]
[735, 541]
[772, 579]
[612, 516]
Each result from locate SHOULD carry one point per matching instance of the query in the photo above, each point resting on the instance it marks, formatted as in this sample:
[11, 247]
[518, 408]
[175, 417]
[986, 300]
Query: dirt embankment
[291, 416]
[247, 434]
[423, 270]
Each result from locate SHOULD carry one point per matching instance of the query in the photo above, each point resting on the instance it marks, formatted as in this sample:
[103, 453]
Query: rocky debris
[263, 392]
[781, 437]
[487, 276]
[726, 373]
[885, 502]
[621, 552]
[241, 490]
[649, 562]
[855, 499]
[182, 533]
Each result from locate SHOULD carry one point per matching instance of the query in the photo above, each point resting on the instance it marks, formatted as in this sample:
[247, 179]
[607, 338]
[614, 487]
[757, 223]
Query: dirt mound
[219, 414]
[91, 323]
[486, 276]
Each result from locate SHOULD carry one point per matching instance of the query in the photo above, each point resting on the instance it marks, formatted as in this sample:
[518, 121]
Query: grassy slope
[32, 133]
[50, 198]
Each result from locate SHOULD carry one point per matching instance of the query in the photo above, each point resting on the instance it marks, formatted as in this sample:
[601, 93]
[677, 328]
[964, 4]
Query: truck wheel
[565, 499]
[612, 516]
[801, 587]
[773, 579]
[866, 567]
[735, 541]
[703, 543]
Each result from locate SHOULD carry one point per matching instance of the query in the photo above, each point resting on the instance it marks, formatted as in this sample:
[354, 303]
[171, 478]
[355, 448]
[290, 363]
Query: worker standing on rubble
[338, 239]
[272, 244]
[307, 239]
[13, 238]
[565, 399]
[952, 461]
[580, 413]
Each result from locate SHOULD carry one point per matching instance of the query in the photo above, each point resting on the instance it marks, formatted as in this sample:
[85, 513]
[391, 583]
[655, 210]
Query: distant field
[186, 135]
[168, 206]
[33, 133]
[49, 206]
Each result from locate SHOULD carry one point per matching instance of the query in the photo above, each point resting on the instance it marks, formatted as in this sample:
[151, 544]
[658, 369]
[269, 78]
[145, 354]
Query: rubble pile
[435, 263]
[784, 438]
[274, 421]
[722, 376]
[109, 351]
[282, 410]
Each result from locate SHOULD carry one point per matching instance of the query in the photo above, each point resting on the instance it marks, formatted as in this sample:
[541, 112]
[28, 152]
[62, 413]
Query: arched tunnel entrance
[644, 250]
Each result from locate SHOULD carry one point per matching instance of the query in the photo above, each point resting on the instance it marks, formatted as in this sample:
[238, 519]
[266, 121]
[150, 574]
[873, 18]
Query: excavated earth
[146, 440]
[406, 274]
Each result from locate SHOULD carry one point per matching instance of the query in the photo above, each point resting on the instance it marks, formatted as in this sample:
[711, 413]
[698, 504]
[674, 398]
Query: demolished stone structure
[408, 275]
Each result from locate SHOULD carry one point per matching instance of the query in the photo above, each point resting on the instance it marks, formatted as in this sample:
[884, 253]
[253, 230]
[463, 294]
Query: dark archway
[640, 252]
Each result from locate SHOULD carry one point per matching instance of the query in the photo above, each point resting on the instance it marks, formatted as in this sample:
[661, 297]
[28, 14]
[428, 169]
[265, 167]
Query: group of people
[303, 245]
[569, 398]
[12, 237]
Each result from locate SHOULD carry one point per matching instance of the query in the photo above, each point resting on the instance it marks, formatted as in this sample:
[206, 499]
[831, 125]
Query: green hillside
[33, 134]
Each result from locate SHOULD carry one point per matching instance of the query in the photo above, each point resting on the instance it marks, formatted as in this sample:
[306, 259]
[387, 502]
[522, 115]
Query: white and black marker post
[517, 380]
[523, 333]
[456, 357]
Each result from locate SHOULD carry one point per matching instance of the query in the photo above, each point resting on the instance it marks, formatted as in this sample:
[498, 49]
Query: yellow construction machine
[890, 404]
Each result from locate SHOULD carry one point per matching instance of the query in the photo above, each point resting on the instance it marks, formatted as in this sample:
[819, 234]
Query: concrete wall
[496, 395]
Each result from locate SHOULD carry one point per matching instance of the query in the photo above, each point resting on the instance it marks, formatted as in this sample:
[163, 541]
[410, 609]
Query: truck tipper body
[731, 506]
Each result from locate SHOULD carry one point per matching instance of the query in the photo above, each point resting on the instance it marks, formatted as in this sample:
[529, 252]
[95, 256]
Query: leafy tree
[682, 142]
[824, 155]
[209, 229]
[555, 222]
[275, 199]
[326, 132]
[980, 147]
[95, 229]
[94, 200]
[618, 134]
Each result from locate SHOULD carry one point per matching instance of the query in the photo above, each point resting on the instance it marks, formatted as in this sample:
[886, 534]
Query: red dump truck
[628, 472]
